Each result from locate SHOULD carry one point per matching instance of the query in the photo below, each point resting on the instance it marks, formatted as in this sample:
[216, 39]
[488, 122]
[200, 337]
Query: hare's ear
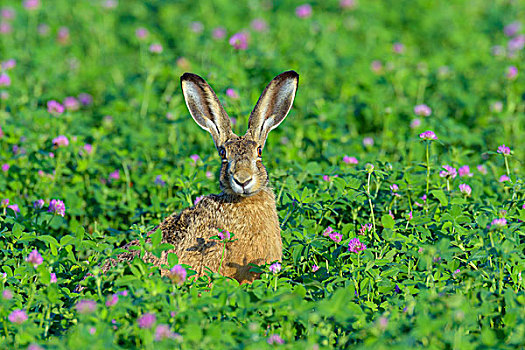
[205, 108]
[273, 105]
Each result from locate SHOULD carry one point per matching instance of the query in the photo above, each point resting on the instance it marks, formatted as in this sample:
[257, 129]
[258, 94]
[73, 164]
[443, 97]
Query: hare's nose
[242, 181]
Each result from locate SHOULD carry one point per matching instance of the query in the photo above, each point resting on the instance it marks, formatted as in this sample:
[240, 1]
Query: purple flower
[465, 171]
[5, 167]
[259, 25]
[482, 169]
[43, 29]
[239, 41]
[178, 274]
[57, 207]
[196, 27]
[88, 148]
[34, 258]
[111, 300]
[147, 320]
[383, 323]
[496, 107]
[465, 189]
[71, 103]
[350, 160]
[5, 28]
[141, 33]
[355, 245]
[512, 72]
[398, 48]
[63, 35]
[85, 99]
[232, 93]
[17, 316]
[114, 175]
[409, 216]
[225, 235]
[7, 294]
[5, 202]
[394, 188]
[376, 66]
[162, 331]
[8, 13]
[219, 33]
[54, 107]
[422, 110]
[198, 199]
[85, 306]
[9, 64]
[53, 278]
[14, 207]
[158, 181]
[504, 178]
[275, 268]
[303, 11]
[504, 150]
[348, 4]
[275, 339]
[4, 80]
[315, 268]
[31, 4]
[195, 158]
[110, 4]
[328, 230]
[336, 236]
[498, 223]
[512, 29]
[415, 123]
[60, 141]
[368, 142]
[156, 48]
[365, 228]
[449, 172]
[516, 44]
[38, 204]
[428, 135]
[209, 174]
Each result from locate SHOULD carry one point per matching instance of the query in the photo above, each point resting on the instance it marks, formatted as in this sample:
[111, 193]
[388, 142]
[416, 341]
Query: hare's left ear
[273, 106]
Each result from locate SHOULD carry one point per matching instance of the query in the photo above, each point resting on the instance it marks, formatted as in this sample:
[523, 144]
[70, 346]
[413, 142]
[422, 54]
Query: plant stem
[145, 99]
[371, 205]
[428, 167]
[222, 257]
[507, 166]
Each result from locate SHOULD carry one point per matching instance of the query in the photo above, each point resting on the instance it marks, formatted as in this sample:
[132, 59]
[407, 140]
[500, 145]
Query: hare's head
[242, 171]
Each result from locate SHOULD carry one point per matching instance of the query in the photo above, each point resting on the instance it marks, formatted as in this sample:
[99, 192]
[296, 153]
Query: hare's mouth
[245, 190]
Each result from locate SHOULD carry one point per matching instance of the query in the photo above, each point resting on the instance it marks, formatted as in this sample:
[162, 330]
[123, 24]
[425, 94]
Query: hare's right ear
[205, 108]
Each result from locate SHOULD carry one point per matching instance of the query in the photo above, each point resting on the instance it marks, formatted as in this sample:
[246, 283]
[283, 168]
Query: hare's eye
[259, 151]
[222, 153]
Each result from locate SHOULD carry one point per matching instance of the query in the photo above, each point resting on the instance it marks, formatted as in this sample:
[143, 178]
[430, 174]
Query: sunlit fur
[242, 160]
[245, 208]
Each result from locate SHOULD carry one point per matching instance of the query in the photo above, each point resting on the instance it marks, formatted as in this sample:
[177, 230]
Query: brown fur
[246, 206]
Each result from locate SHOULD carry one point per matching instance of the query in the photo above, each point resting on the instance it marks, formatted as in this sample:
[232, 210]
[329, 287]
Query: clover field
[399, 172]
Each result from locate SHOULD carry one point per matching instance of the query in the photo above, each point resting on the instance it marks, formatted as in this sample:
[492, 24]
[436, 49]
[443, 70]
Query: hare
[246, 205]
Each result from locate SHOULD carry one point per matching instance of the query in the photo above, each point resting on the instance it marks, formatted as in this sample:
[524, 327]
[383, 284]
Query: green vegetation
[443, 265]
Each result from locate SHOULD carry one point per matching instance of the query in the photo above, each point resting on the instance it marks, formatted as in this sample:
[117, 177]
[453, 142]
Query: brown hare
[246, 205]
